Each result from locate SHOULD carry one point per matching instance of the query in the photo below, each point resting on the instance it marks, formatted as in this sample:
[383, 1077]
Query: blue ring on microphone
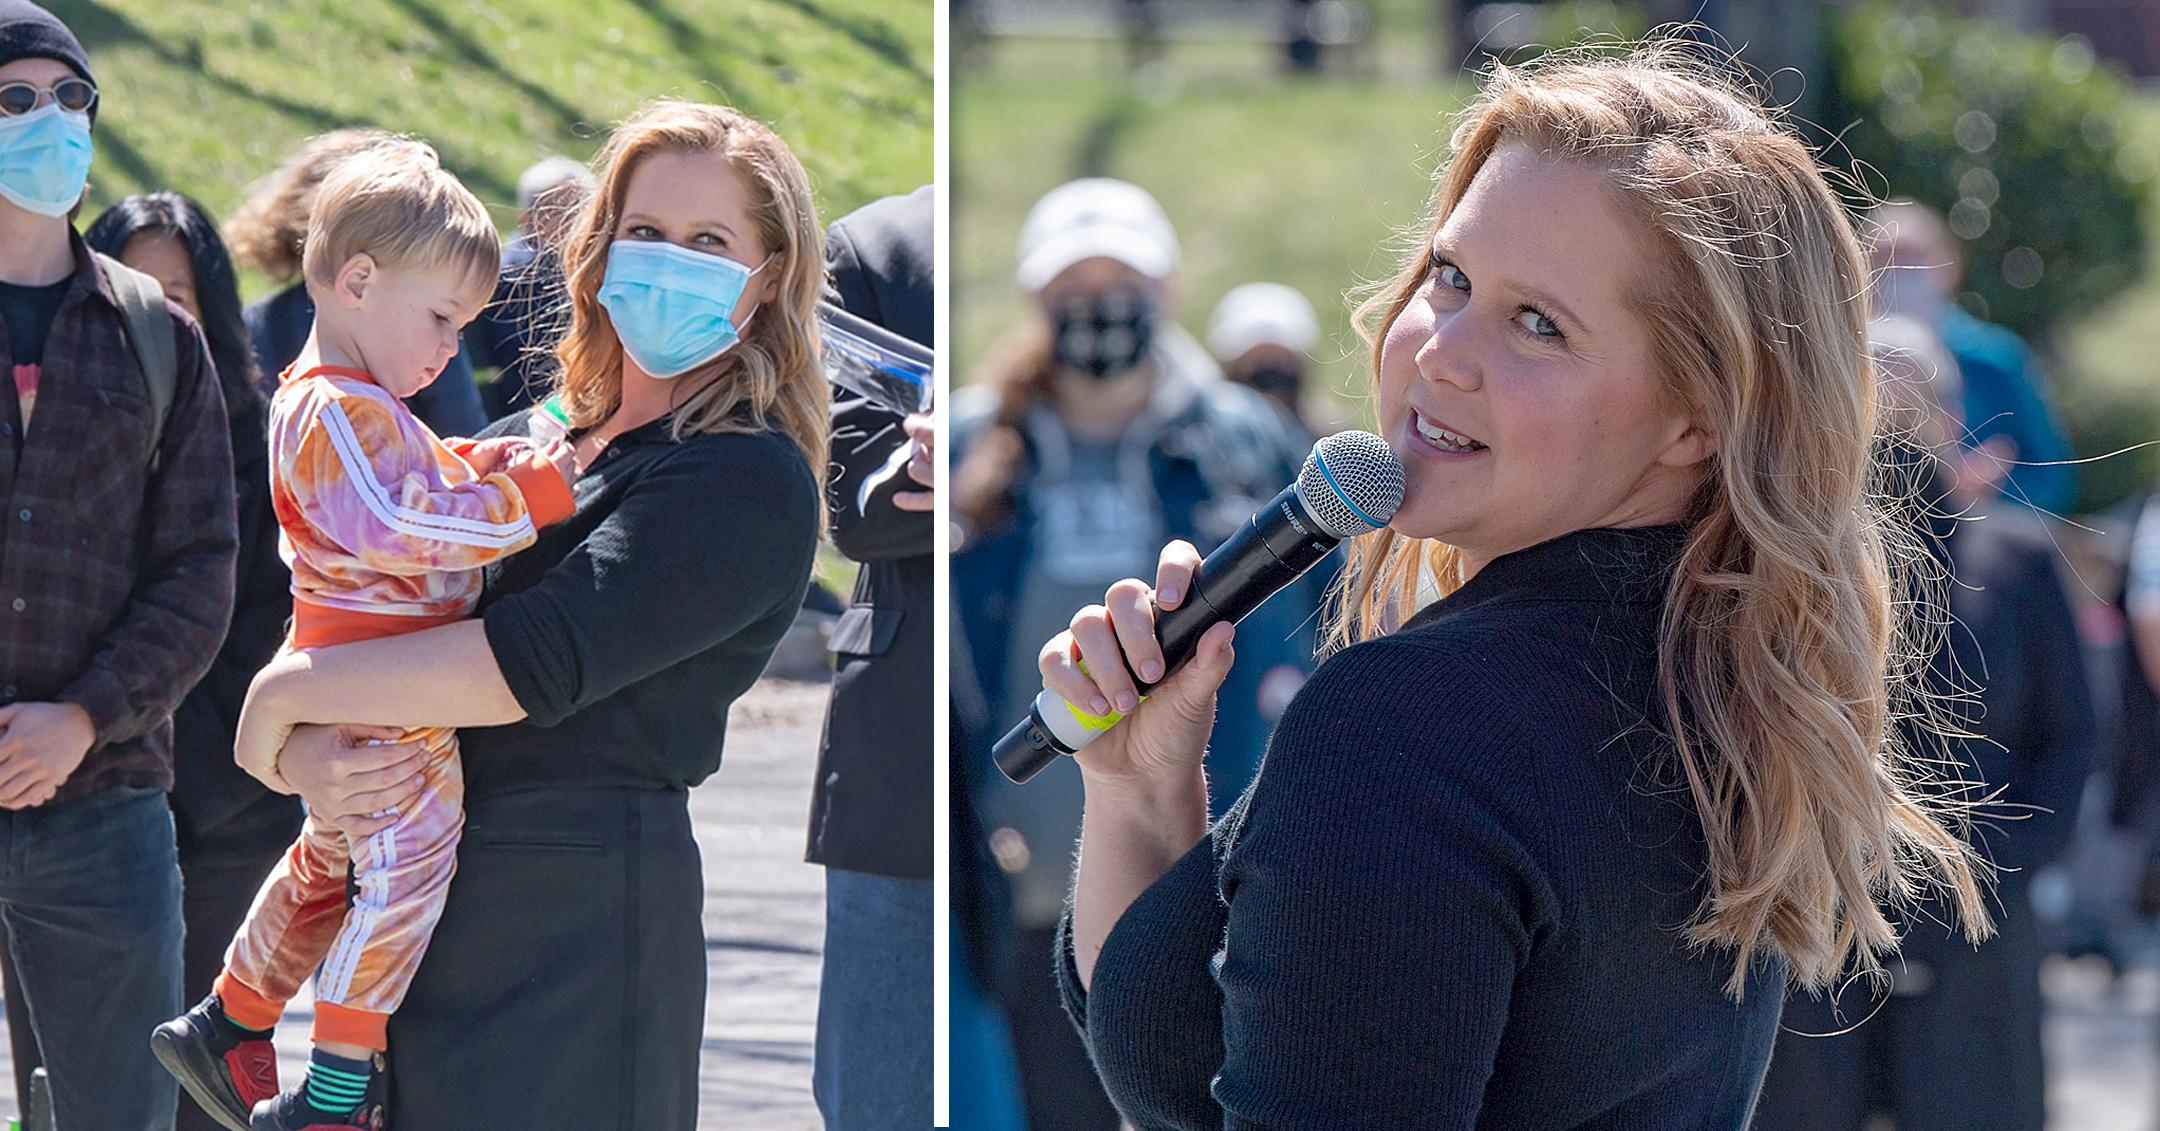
[1340, 494]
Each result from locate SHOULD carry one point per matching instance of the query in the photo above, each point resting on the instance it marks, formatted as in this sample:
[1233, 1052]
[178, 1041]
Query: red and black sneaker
[226, 1072]
[292, 1112]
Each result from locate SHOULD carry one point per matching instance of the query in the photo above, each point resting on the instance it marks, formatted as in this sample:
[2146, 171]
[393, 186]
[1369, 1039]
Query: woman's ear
[353, 279]
[769, 279]
[1690, 446]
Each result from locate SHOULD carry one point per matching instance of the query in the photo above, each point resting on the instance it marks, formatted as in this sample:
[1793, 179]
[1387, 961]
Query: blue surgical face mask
[673, 308]
[45, 159]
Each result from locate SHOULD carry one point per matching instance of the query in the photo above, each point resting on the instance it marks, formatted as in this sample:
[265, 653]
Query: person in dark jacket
[565, 983]
[1544, 851]
[2013, 673]
[117, 573]
[517, 332]
[870, 812]
[266, 233]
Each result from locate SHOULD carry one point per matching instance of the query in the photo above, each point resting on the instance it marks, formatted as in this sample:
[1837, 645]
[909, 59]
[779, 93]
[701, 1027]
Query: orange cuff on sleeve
[547, 497]
[246, 1008]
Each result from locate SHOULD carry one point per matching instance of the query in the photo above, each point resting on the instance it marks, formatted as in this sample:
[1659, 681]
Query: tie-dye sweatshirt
[381, 518]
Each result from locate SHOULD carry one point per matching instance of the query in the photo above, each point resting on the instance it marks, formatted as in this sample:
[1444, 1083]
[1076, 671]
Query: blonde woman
[1544, 853]
[566, 979]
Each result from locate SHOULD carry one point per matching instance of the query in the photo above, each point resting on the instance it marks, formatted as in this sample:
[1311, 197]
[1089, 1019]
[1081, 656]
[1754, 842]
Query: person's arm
[864, 438]
[1384, 894]
[164, 641]
[1145, 793]
[354, 481]
[439, 677]
[650, 587]
[2040, 477]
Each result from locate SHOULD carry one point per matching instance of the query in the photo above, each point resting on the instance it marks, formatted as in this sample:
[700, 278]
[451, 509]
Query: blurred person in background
[230, 828]
[516, 334]
[1100, 430]
[1957, 1043]
[266, 232]
[1918, 272]
[1263, 334]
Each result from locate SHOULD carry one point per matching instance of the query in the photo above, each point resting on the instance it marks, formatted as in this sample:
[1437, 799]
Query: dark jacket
[1449, 900]
[208, 786]
[1213, 461]
[278, 326]
[870, 810]
[517, 331]
[115, 580]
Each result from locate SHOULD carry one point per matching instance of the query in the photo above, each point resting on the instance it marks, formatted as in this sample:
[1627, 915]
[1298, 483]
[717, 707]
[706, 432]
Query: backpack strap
[150, 333]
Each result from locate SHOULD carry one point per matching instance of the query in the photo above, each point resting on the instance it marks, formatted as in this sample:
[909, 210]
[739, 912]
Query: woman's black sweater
[1453, 897]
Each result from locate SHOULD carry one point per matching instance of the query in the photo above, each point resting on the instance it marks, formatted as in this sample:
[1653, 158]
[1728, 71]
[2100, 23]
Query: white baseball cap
[1097, 217]
[1262, 313]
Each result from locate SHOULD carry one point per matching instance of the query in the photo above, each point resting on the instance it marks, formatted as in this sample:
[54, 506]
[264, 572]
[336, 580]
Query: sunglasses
[73, 95]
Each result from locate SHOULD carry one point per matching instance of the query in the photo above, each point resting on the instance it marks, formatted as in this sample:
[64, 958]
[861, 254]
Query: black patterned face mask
[1105, 335]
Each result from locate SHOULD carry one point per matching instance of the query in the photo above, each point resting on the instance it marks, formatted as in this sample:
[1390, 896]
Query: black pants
[565, 986]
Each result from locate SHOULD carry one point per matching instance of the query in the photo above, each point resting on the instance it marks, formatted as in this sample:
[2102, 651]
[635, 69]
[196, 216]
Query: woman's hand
[1164, 738]
[354, 778]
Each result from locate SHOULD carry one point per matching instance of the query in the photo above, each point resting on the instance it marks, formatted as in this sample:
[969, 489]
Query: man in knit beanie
[116, 574]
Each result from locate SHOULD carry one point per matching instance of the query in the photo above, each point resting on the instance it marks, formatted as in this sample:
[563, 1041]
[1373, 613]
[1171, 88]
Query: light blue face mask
[673, 307]
[45, 159]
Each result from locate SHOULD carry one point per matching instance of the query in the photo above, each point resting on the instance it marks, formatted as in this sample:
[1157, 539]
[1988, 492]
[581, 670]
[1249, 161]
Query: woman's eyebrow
[640, 217]
[1535, 297]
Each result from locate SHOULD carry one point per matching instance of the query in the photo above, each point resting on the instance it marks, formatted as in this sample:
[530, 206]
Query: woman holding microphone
[1545, 852]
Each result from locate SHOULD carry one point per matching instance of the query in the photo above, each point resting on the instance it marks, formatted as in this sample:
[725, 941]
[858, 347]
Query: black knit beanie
[30, 32]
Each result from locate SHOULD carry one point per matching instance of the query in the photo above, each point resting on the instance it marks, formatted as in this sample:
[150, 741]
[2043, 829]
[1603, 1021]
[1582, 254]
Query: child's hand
[490, 456]
[564, 457]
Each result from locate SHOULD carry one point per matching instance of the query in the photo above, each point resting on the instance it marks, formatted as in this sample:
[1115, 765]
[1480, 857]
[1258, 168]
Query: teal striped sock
[335, 1085]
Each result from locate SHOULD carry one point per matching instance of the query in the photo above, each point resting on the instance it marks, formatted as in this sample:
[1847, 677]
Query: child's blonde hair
[394, 202]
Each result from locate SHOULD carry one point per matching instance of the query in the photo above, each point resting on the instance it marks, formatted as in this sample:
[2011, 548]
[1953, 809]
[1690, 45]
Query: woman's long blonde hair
[773, 376]
[1791, 647]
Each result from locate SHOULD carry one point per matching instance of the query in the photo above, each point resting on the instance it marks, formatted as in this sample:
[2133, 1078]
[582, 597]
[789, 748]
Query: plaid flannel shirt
[116, 582]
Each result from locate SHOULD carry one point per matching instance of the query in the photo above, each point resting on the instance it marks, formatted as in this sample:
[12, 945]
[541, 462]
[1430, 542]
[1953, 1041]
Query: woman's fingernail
[1126, 701]
[1169, 596]
[1099, 705]
[1151, 670]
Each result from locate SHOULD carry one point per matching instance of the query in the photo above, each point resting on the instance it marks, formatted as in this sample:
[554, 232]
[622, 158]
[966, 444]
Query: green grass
[203, 96]
[1306, 183]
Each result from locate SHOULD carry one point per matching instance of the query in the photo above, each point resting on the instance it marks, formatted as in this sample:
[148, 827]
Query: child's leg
[295, 916]
[402, 875]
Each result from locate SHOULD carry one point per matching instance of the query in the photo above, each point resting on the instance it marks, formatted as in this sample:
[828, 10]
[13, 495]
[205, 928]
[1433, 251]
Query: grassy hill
[1307, 183]
[203, 96]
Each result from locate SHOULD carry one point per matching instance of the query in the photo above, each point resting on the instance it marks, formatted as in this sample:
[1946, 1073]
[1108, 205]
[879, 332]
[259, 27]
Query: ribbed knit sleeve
[1383, 894]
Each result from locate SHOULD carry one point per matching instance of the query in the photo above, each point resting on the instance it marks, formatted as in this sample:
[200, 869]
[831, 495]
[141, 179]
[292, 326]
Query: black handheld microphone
[1351, 484]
